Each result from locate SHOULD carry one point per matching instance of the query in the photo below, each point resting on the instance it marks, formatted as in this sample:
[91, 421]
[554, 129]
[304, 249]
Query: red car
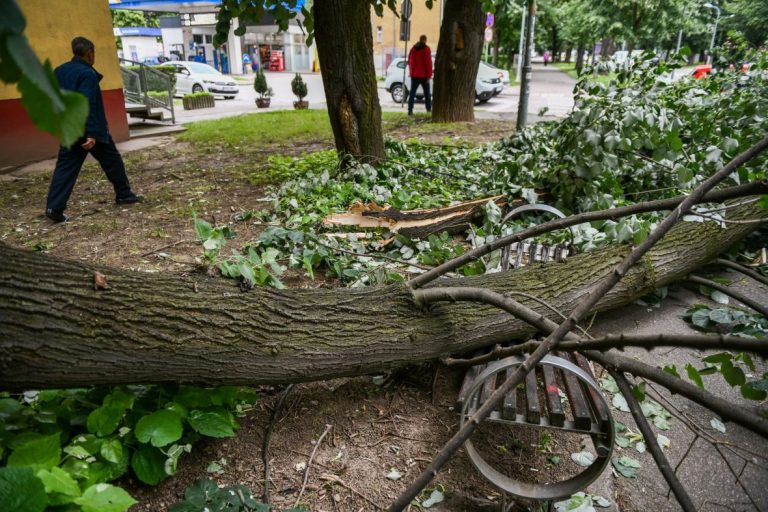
[702, 71]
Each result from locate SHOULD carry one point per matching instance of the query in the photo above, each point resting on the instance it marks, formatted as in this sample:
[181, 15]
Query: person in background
[246, 63]
[420, 67]
[78, 75]
[546, 57]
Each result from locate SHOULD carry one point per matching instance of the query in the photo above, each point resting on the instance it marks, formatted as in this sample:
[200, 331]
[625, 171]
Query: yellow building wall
[51, 26]
[423, 21]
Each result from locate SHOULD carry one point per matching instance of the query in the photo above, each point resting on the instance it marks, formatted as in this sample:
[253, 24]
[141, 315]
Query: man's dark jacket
[79, 76]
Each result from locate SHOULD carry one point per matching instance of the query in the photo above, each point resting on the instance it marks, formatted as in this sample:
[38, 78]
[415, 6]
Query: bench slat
[601, 412]
[533, 410]
[555, 408]
[581, 413]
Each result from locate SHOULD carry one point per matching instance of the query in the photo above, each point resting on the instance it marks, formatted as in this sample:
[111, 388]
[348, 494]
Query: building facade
[387, 45]
[50, 32]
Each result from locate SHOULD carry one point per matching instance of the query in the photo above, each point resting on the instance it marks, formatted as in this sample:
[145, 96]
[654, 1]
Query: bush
[260, 85]
[198, 95]
[299, 87]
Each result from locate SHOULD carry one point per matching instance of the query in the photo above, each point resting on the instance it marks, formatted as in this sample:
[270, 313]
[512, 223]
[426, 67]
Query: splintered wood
[413, 223]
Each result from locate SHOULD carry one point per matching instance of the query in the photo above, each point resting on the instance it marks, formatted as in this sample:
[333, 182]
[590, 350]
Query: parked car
[199, 77]
[487, 84]
[502, 73]
[702, 71]
[154, 61]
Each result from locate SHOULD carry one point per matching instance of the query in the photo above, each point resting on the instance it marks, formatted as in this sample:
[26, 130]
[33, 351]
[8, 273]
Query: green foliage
[206, 495]
[62, 447]
[299, 87]
[198, 95]
[260, 85]
[21, 491]
[727, 320]
[640, 133]
[60, 113]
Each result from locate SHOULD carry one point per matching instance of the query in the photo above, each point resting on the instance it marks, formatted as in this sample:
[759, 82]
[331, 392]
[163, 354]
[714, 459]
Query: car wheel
[398, 93]
[197, 88]
[480, 100]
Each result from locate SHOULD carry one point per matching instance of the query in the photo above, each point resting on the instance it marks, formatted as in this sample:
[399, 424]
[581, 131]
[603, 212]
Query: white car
[199, 77]
[487, 85]
[503, 74]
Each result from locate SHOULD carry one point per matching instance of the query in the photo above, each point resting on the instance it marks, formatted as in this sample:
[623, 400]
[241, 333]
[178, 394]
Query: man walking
[78, 75]
[420, 67]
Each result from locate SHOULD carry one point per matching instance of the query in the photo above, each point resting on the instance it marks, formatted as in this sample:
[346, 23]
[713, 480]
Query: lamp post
[714, 30]
[520, 49]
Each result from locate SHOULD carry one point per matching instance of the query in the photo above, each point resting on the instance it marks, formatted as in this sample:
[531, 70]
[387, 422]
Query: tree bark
[57, 331]
[580, 59]
[345, 50]
[458, 56]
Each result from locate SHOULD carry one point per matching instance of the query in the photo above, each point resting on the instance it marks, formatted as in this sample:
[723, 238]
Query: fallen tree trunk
[57, 331]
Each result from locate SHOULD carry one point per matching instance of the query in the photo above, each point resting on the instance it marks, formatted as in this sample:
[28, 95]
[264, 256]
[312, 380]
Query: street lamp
[714, 30]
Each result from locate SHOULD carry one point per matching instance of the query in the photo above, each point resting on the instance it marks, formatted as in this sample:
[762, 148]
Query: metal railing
[143, 84]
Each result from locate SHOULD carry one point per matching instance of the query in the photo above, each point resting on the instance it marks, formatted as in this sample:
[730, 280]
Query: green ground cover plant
[63, 447]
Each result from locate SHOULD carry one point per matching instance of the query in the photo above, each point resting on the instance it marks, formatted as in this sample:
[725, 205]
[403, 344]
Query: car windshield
[203, 69]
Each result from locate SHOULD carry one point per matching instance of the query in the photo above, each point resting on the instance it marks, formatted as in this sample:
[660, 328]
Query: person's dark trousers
[68, 168]
[415, 83]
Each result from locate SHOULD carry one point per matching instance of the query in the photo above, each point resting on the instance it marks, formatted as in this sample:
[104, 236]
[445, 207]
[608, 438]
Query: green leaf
[149, 465]
[694, 375]
[9, 407]
[160, 428]
[627, 466]
[733, 374]
[210, 423]
[672, 370]
[21, 490]
[59, 481]
[203, 229]
[718, 358]
[721, 316]
[700, 318]
[112, 450]
[104, 420]
[40, 453]
[751, 393]
[201, 491]
[639, 391]
[105, 498]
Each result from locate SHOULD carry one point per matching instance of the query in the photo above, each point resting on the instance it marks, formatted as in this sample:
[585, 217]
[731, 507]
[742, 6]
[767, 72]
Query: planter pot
[262, 102]
[198, 102]
[301, 105]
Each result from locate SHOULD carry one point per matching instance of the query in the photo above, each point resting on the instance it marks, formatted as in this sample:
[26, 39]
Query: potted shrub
[263, 89]
[198, 100]
[299, 88]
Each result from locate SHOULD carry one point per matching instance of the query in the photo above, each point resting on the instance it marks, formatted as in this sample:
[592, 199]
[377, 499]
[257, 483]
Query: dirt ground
[369, 429]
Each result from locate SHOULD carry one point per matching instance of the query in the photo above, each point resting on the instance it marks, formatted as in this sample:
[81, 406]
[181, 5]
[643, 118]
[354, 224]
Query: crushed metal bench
[537, 402]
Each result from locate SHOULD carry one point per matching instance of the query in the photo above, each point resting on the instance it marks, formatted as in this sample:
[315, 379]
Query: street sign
[406, 8]
[405, 30]
[488, 34]
[489, 19]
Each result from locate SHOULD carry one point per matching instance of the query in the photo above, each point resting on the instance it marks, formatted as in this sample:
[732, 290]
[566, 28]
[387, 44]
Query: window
[379, 34]
[401, 64]
[208, 38]
[197, 38]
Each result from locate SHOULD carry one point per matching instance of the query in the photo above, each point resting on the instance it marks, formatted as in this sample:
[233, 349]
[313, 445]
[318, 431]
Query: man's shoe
[56, 216]
[131, 199]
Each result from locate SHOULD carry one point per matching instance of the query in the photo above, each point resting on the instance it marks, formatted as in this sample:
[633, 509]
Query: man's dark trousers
[68, 167]
[415, 83]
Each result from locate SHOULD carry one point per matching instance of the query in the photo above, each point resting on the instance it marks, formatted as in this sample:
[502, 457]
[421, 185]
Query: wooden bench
[538, 404]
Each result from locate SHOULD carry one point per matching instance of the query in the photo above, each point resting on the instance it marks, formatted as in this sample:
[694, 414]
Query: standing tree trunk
[345, 50]
[458, 56]
[57, 331]
[580, 58]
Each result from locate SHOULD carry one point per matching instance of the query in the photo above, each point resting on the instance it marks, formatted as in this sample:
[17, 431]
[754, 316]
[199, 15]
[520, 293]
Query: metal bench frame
[600, 426]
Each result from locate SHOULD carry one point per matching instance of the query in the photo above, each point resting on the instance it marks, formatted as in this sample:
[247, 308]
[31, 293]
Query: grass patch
[285, 126]
[570, 69]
